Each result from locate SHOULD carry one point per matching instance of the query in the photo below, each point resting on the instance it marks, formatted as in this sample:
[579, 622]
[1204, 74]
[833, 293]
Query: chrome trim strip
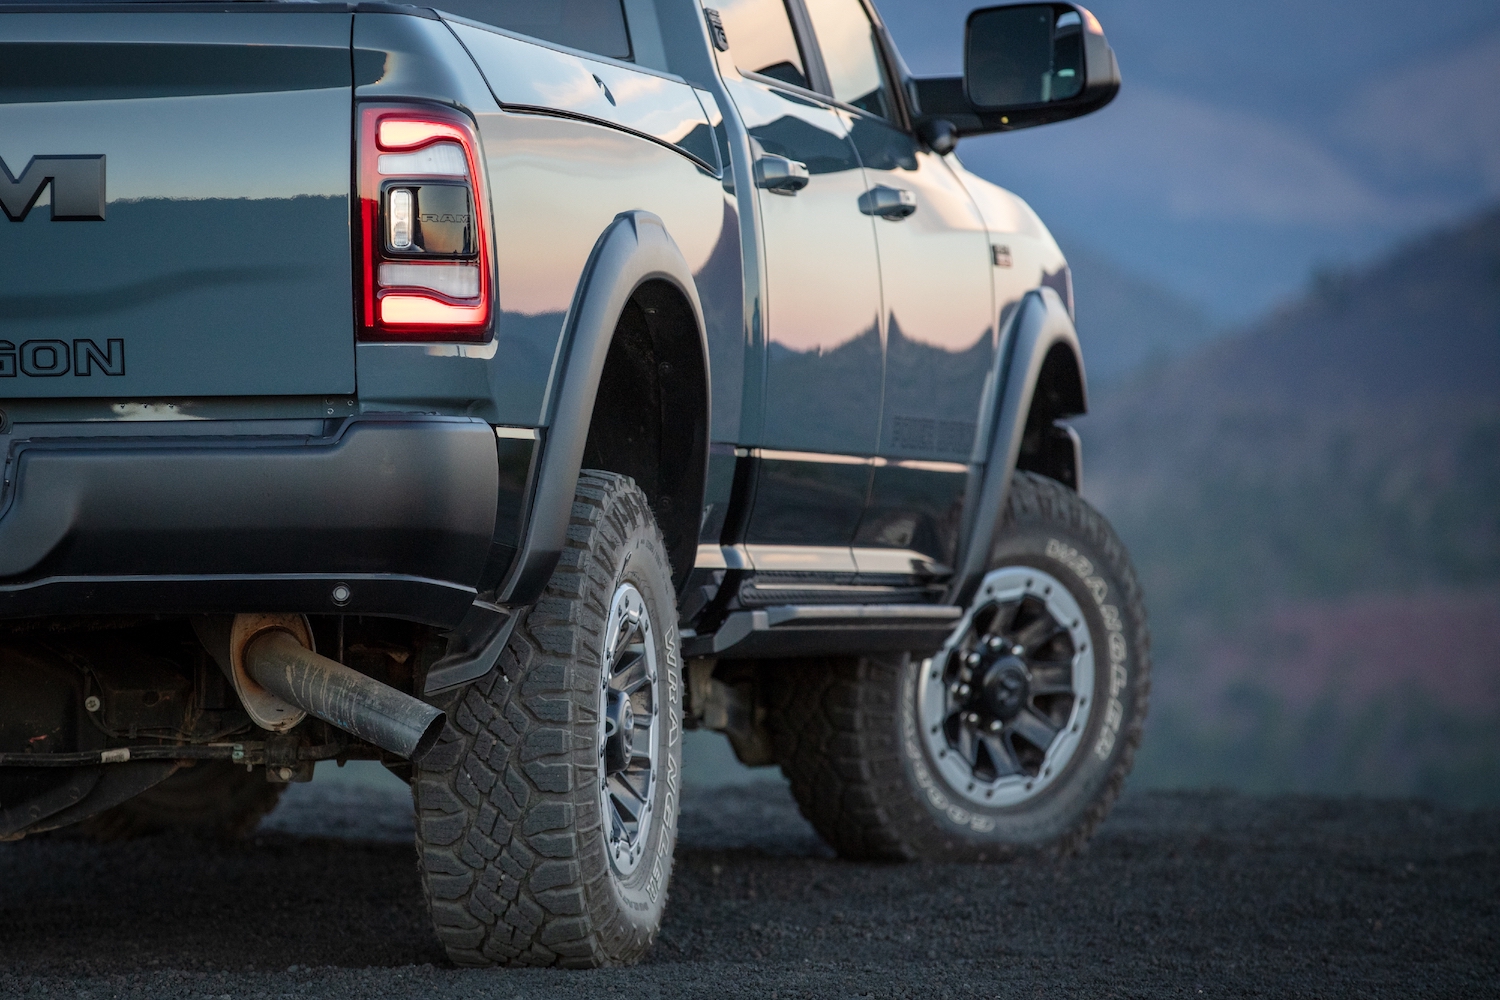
[818, 559]
[802, 558]
[771, 454]
[711, 556]
[898, 561]
[922, 465]
[829, 458]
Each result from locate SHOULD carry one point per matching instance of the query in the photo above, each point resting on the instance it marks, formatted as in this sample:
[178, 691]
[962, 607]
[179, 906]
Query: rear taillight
[423, 238]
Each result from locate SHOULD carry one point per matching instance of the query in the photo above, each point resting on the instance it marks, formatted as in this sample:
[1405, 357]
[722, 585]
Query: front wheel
[1017, 735]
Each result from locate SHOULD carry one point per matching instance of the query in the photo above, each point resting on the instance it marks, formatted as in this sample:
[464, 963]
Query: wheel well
[650, 419]
[1046, 448]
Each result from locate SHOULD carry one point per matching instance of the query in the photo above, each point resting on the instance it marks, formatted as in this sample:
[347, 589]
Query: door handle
[888, 202]
[780, 175]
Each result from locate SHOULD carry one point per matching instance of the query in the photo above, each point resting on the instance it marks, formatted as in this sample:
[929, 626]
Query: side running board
[823, 629]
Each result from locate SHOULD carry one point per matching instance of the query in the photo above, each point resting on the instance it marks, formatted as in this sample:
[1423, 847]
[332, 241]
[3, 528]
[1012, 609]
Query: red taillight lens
[423, 241]
[397, 132]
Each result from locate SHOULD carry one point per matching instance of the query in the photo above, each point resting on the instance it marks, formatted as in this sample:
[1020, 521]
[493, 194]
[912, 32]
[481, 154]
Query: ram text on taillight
[423, 244]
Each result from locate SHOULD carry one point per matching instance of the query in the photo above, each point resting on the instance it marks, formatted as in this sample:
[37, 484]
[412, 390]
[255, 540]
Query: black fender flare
[1039, 326]
[635, 249]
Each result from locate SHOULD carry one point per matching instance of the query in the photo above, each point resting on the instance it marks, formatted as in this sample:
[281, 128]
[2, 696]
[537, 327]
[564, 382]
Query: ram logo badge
[51, 358]
[77, 188]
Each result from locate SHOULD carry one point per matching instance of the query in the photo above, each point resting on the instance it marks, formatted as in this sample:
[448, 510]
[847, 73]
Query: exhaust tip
[429, 738]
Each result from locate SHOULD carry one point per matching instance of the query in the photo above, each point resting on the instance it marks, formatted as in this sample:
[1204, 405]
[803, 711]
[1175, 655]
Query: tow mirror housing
[1024, 64]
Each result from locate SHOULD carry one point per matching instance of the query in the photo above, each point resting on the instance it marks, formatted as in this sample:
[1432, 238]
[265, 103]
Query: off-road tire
[212, 799]
[847, 741]
[510, 838]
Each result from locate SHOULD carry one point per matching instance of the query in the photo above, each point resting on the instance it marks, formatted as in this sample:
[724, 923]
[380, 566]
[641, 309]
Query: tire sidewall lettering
[661, 864]
[647, 897]
[1115, 644]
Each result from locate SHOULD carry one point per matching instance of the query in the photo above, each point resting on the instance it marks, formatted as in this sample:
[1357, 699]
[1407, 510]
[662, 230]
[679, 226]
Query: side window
[762, 41]
[596, 26]
[851, 55]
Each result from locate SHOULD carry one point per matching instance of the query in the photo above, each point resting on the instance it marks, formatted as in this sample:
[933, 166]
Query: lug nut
[995, 726]
[1018, 650]
[963, 690]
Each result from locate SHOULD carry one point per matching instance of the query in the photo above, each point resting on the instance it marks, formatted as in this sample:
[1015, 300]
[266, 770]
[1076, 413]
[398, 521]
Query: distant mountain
[1423, 326]
[1349, 442]
[1126, 321]
[1314, 506]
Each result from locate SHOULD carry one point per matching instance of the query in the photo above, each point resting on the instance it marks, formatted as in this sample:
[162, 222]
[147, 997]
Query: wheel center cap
[1006, 686]
[619, 726]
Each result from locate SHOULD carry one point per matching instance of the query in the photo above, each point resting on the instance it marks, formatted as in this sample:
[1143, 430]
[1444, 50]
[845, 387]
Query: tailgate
[176, 204]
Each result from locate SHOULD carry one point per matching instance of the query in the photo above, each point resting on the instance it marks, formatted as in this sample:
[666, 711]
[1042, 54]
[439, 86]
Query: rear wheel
[1017, 735]
[547, 814]
[211, 799]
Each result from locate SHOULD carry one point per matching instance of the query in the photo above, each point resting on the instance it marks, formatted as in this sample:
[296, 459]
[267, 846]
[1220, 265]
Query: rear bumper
[399, 513]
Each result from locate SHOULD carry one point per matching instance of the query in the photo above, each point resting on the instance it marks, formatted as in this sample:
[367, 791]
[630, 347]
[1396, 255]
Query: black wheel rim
[1003, 706]
[629, 729]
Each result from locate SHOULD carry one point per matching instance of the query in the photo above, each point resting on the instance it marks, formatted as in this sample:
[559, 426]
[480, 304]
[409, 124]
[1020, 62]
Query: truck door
[935, 264]
[821, 313]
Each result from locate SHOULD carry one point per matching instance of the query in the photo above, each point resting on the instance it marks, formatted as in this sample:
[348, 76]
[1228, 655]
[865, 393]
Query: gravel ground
[1180, 894]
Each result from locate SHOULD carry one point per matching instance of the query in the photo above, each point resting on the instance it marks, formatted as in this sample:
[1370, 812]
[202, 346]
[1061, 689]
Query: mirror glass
[1031, 54]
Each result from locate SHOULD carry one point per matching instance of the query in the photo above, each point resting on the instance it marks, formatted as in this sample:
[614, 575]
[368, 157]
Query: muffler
[280, 680]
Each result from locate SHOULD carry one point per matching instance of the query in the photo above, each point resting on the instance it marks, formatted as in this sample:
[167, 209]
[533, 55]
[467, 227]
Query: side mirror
[1024, 65]
[1043, 61]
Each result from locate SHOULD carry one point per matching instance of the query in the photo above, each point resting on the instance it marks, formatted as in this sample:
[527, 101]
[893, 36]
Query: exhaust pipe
[328, 690]
[280, 680]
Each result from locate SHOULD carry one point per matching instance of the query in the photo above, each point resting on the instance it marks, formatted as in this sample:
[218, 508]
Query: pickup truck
[498, 390]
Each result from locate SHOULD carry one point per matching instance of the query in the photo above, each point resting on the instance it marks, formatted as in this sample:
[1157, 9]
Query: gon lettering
[54, 358]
